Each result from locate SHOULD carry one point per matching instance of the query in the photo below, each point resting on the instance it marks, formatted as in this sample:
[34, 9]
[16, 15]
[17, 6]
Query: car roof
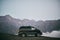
[26, 27]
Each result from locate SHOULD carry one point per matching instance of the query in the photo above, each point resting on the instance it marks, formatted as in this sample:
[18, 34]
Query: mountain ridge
[11, 25]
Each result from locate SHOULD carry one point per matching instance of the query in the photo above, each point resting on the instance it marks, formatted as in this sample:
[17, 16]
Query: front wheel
[36, 35]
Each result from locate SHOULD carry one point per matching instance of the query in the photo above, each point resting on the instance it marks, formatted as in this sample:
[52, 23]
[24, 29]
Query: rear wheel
[24, 35]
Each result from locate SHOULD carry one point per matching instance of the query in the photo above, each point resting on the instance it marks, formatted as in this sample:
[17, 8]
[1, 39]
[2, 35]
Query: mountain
[11, 25]
[8, 24]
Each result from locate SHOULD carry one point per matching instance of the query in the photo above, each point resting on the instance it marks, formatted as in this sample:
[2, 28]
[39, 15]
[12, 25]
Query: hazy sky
[31, 9]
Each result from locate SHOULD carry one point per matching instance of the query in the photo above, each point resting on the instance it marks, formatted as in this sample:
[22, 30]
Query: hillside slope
[14, 37]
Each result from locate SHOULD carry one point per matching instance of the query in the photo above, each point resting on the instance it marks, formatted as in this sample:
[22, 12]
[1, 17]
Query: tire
[36, 35]
[24, 35]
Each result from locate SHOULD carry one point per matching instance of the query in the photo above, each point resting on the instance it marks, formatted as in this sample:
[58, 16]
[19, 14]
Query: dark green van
[25, 31]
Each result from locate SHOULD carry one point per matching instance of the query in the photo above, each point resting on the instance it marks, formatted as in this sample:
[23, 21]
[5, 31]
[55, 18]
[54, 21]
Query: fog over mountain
[11, 25]
[52, 34]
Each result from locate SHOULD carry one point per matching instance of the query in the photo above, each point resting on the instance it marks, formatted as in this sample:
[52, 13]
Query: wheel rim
[23, 35]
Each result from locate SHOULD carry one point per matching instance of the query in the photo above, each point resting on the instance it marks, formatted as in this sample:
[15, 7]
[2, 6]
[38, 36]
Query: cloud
[52, 34]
